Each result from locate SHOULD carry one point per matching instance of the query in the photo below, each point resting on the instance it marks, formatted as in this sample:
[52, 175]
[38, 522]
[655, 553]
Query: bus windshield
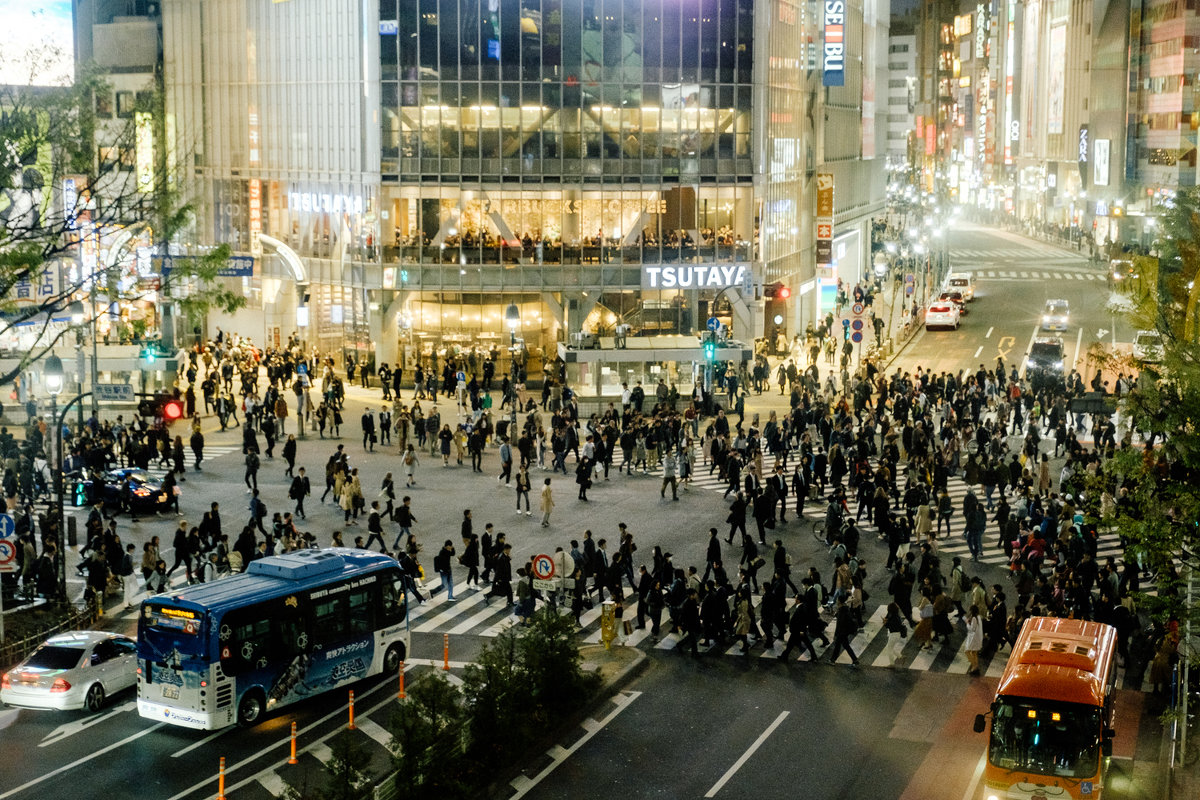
[1046, 738]
[171, 633]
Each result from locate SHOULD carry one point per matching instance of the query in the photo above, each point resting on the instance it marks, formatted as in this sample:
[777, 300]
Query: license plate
[171, 692]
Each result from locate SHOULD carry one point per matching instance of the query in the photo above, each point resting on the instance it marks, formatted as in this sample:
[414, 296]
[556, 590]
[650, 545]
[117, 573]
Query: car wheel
[250, 709]
[392, 659]
[94, 699]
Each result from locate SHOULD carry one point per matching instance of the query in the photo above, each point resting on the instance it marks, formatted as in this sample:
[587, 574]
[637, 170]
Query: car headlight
[1058, 364]
[1045, 319]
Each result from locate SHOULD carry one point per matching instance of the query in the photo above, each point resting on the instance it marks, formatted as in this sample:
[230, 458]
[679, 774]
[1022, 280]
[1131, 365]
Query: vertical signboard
[1084, 151]
[1101, 150]
[833, 57]
[143, 127]
[1058, 79]
[255, 188]
[824, 218]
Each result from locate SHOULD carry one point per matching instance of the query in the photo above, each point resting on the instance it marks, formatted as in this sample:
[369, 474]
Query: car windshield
[53, 656]
[1046, 738]
[958, 281]
[1056, 309]
[1045, 352]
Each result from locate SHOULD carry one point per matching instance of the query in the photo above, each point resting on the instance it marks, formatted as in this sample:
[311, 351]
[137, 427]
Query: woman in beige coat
[547, 504]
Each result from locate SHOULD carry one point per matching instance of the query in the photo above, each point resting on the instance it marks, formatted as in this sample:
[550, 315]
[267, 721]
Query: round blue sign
[856, 336]
[714, 324]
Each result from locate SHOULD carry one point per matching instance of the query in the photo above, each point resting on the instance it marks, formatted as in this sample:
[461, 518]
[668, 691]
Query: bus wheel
[251, 708]
[392, 658]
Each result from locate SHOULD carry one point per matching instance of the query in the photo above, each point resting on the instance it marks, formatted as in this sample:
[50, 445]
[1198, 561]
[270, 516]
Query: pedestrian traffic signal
[149, 354]
[710, 349]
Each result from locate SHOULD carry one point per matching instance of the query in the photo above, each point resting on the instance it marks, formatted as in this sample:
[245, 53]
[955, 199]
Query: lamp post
[512, 318]
[52, 374]
[75, 309]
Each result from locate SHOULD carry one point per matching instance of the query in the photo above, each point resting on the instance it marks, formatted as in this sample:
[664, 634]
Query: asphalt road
[837, 738]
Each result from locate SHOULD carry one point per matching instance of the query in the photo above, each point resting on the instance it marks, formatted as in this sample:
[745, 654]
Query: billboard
[833, 56]
[1058, 79]
[45, 28]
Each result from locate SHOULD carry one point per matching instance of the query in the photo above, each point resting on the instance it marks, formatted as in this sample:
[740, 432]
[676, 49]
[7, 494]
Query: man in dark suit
[368, 429]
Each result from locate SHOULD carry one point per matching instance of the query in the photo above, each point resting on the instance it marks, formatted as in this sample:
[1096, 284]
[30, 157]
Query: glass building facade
[531, 147]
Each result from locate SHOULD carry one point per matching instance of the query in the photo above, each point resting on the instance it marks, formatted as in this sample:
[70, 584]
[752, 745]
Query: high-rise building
[420, 167]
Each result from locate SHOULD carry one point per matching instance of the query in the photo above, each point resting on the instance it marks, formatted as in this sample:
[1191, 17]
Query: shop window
[104, 103]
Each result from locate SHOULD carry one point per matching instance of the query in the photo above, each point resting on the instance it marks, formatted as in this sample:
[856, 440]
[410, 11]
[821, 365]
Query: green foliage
[524, 681]
[449, 743]
[346, 775]
[427, 739]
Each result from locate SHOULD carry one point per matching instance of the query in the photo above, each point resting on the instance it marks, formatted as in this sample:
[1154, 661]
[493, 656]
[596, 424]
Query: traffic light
[149, 354]
[784, 293]
[161, 406]
[171, 409]
[710, 347]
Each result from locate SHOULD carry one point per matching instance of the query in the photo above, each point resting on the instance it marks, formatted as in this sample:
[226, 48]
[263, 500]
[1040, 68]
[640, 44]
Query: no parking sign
[8, 544]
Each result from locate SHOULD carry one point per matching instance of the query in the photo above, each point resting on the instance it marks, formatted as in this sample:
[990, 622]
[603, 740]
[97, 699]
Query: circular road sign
[8, 552]
[543, 567]
[713, 324]
[856, 336]
[857, 325]
[857, 308]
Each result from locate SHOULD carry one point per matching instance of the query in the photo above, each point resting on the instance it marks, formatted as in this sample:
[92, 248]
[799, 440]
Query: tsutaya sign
[698, 276]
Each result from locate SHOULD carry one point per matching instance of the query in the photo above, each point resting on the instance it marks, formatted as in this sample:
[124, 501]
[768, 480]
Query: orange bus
[1052, 719]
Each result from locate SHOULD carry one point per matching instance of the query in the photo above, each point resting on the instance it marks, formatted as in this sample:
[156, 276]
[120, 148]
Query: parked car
[72, 670]
[943, 314]
[963, 282]
[1147, 346]
[144, 493]
[1056, 315]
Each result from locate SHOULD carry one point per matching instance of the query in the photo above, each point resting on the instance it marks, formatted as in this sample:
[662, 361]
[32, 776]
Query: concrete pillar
[386, 332]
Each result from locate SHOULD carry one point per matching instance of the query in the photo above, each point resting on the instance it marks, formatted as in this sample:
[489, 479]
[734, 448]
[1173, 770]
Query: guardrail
[14, 651]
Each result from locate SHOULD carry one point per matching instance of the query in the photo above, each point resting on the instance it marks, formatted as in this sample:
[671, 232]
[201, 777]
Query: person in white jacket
[974, 642]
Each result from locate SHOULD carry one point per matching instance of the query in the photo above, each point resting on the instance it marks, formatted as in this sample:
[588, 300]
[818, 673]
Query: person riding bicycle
[833, 519]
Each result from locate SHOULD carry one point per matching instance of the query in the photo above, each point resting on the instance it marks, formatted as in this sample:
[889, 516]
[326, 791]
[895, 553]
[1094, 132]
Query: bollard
[446, 652]
[402, 695]
[351, 726]
[293, 759]
[221, 780]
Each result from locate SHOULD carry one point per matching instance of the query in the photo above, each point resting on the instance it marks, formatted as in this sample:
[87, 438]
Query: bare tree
[60, 193]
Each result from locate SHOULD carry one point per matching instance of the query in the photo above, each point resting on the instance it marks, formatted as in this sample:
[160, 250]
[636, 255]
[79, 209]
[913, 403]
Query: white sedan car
[72, 670]
[943, 314]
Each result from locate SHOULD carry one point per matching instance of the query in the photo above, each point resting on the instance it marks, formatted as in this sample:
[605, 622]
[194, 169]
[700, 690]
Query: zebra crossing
[1035, 275]
[159, 469]
[472, 614]
[1019, 253]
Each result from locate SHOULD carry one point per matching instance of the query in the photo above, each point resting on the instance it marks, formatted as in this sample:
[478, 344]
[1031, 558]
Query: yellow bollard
[293, 759]
[608, 623]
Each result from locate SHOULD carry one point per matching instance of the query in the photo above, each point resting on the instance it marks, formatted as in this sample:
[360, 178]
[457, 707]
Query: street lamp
[512, 318]
[52, 375]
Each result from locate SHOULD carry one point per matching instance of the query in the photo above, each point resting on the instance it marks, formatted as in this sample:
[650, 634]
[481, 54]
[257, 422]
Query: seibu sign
[833, 56]
[698, 276]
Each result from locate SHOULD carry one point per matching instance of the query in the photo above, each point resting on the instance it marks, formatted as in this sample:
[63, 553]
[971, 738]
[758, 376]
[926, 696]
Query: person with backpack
[960, 584]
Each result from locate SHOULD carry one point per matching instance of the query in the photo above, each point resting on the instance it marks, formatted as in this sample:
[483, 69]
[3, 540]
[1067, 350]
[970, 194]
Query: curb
[622, 678]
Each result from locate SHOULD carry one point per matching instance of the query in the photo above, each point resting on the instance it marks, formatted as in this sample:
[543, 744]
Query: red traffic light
[784, 293]
[172, 410]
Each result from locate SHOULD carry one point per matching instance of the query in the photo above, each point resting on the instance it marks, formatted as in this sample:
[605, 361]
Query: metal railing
[13, 651]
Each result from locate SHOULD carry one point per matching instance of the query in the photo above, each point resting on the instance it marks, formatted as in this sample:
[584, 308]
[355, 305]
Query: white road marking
[988, 335]
[973, 786]
[72, 728]
[81, 761]
[199, 743]
[1028, 348]
[1078, 346]
[559, 754]
[978, 351]
[729, 773]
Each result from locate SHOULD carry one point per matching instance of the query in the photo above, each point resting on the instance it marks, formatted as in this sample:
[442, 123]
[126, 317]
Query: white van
[963, 282]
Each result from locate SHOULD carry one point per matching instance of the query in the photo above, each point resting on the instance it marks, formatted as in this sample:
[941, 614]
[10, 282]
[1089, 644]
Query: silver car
[72, 670]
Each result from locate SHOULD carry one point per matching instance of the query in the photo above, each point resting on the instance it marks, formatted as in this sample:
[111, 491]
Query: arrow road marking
[72, 728]
[1006, 345]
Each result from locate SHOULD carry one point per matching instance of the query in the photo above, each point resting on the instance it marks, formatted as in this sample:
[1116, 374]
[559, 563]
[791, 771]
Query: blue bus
[289, 627]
